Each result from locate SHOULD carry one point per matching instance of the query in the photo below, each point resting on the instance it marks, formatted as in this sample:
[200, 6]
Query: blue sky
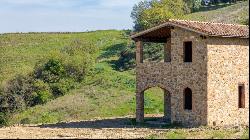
[65, 15]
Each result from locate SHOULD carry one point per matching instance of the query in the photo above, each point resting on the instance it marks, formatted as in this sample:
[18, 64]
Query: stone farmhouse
[204, 76]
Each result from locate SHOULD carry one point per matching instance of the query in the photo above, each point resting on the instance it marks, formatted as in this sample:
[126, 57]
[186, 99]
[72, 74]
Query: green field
[104, 92]
[226, 13]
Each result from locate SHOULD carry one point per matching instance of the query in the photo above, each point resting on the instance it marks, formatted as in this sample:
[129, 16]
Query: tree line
[148, 13]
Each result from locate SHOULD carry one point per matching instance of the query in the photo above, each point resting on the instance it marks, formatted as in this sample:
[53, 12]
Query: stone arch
[140, 103]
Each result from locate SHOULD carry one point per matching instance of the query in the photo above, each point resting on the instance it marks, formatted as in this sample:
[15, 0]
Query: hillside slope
[233, 14]
[104, 92]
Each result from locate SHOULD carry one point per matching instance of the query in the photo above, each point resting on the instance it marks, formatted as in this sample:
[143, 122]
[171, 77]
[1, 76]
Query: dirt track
[100, 128]
[109, 128]
[52, 133]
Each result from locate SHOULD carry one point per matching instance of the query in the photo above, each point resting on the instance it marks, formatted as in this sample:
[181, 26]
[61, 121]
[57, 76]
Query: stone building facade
[205, 73]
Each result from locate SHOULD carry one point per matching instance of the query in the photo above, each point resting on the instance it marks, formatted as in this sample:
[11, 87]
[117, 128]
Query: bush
[21, 86]
[18, 93]
[4, 121]
[75, 68]
[126, 60]
[12, 103]
[151, 51]
[51, 78]
[42, 91]
[43, 97]
[50, 72]
[62, 87]
[25, 121]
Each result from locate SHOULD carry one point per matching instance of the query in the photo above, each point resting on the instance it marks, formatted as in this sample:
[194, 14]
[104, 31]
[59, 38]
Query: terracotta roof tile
[208, 28]
[217, 29]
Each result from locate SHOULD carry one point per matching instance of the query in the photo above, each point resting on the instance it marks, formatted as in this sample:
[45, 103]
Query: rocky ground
[52, 133]
[110, 128]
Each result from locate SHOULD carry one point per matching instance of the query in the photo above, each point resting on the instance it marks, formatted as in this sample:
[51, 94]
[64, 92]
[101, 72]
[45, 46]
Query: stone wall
[219, 66]
[192, 75]
[228, 66]
[176, 75]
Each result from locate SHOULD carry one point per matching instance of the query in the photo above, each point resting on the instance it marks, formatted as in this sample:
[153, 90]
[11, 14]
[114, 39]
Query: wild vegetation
[150, 13]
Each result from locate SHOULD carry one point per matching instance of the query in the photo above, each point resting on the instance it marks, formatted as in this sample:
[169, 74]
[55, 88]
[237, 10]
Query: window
[188, 99]
[188, 51]
[241, 96]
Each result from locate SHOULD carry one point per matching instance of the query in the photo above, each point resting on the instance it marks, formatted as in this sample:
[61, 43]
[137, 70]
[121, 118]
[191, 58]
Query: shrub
[55, 67]
[126, 59]
[18, 93]
[62, 87]
[76, 68]
[13, 103]
[43, 97]
[3, 119]
[43, 92]
[50, 72]
[151, 51]
[21, 86]
[25, 121]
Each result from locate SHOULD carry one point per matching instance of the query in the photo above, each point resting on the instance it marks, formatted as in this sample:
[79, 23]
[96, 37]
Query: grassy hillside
[104, 92]
[20, 52]
[226, 13]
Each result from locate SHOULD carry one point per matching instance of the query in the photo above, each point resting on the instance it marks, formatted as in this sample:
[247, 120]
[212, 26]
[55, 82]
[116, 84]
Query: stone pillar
[167, 51]
[167, 106]
[139, 52]
[140, 107]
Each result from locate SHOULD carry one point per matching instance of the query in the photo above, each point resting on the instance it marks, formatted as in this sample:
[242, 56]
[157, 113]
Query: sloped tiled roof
[204, 28]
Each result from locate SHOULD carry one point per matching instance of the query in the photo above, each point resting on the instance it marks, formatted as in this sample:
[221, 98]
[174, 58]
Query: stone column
[140, 107]
[139, 52]
[167, 51]
[167, 106]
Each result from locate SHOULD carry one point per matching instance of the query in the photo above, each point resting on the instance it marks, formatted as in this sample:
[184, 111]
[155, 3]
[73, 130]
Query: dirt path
[96, 128]
[109, 128]
[52, 133]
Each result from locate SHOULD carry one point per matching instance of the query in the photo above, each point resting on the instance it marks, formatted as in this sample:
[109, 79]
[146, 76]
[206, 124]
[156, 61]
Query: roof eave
[164, 25]
[183, 27]
[243, 37]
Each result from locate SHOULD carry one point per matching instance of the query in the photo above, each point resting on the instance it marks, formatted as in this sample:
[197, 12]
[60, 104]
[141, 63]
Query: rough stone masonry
[211, 89]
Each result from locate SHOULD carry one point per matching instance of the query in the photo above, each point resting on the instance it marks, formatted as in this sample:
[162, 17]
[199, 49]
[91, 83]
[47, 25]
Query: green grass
[20, 52]
[85, 103]
[154, 101]
[105, 92]
[234, 14]
[202, 134]
[245, 134]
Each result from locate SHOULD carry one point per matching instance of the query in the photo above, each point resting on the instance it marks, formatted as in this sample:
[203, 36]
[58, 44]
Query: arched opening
[154, 106]
[153, 102]
[188, 99]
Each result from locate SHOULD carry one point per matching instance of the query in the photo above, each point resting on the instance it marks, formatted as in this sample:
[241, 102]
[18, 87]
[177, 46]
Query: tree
[137, 14]
[149, 13]
[193, 5]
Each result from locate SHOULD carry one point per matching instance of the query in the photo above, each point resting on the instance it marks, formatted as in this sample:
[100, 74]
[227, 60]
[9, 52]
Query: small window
[188, 99]
[241, 96]
[188, 51]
